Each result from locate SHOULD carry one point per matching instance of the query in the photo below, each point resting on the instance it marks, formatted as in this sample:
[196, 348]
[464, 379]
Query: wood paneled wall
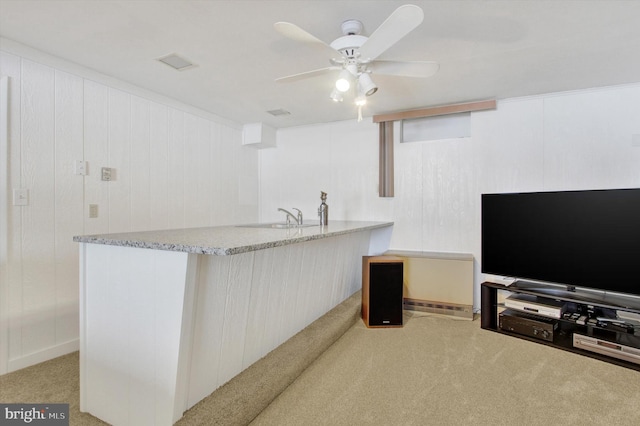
[561, 141]
[173, 169]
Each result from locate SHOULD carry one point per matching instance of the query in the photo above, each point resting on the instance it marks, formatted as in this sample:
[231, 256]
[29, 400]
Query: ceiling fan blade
[296, 33]
[307, 74]
[421, 69]
[400, 23]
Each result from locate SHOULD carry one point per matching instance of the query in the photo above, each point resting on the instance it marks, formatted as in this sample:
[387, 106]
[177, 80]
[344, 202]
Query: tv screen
[585, 239]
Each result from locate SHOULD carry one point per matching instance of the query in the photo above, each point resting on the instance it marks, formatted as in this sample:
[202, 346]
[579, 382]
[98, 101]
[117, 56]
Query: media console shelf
[586, 325]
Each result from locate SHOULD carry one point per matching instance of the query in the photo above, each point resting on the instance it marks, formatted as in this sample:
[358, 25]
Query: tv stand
[587, 326]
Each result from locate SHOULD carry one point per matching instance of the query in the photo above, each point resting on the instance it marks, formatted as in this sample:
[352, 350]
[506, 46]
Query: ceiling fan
[356, 56]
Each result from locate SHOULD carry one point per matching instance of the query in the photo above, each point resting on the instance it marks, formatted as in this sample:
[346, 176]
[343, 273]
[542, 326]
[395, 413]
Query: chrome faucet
[290, 215]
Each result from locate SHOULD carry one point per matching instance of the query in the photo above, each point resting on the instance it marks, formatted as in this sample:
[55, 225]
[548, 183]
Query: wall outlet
[20, 197]
[107, 174]
[93, 211]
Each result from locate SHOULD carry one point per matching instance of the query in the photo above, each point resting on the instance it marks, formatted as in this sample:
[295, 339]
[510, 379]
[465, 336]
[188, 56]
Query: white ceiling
[486, 49]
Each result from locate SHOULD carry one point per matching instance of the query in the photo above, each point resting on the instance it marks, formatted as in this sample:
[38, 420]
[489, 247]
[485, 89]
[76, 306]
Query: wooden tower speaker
[382, 291]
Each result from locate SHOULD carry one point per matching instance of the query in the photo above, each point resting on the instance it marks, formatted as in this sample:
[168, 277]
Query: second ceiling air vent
[177, 62]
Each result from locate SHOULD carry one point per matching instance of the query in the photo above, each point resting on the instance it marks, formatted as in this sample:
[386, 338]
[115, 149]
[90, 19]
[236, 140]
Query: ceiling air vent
[278, 112]
[176, 62]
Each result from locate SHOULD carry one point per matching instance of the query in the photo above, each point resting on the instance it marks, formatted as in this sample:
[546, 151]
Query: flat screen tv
[578, 239]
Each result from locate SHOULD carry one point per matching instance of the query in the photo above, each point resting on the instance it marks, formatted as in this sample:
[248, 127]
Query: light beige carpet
[441, 371]
[235, 403]
[433, 371]
[53, 381]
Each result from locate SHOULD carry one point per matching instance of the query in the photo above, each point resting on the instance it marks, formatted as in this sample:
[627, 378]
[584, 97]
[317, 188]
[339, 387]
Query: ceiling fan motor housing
[348, 45]
[351, 27]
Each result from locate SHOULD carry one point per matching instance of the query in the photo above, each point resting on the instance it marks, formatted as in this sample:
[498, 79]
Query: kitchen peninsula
[167, 317]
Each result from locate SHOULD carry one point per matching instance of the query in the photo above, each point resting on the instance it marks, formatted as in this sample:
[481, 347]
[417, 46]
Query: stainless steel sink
[278, 225]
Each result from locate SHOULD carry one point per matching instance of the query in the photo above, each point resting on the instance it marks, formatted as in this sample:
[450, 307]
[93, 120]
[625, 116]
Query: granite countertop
[227, 240]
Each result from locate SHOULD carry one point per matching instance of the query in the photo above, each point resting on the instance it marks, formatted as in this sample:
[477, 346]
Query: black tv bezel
[556, 288]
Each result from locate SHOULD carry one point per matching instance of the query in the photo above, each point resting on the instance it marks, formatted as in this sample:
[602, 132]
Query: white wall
[573, 140]
[174, 168]
[338, 158]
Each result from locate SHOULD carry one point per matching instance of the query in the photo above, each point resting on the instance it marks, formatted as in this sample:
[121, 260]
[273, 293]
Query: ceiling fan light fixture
[366, 85]
[343, 83]
[336, 96]
[355, 55]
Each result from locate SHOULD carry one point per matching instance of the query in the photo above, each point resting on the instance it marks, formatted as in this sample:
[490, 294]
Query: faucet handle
[299, 215]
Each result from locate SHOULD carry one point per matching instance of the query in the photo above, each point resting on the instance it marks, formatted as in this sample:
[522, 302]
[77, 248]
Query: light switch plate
[80, 168]
[20, 197]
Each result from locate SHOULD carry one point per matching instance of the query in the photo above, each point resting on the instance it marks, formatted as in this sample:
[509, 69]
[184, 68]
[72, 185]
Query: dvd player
[605, 347]
[535, 305]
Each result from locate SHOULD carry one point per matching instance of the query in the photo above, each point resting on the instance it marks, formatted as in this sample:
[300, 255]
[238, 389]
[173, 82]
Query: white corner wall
[561, 141]
[173, 168]
[179, 167]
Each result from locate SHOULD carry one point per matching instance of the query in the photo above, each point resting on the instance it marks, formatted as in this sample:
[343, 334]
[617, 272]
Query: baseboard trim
[43, 355]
